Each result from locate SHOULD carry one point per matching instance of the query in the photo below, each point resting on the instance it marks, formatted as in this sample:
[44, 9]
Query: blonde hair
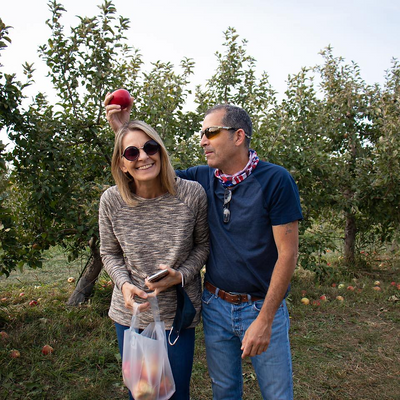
[124, 181]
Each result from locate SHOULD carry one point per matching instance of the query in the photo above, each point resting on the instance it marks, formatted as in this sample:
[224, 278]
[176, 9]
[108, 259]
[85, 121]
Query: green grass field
[341, 349]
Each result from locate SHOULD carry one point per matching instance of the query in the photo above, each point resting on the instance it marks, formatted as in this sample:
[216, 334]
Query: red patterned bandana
[232, 180]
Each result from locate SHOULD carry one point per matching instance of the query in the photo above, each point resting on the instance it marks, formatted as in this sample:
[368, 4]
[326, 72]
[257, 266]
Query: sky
[283, 35]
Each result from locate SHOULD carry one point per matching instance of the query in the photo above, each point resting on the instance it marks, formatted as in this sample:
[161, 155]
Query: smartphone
[158, 275]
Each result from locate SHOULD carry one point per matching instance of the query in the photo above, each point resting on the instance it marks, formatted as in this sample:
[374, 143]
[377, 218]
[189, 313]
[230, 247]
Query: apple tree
[63, 147]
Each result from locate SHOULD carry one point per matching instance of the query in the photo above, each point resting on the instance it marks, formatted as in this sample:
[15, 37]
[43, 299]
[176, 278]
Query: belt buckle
[238, 298]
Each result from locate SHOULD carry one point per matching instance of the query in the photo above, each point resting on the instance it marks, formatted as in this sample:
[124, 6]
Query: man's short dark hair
[235, 117]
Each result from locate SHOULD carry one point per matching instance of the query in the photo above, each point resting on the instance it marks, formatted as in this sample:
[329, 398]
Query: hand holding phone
[158, 275]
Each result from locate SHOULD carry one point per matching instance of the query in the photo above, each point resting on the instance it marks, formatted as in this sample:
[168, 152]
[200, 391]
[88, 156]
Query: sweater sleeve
[110, 250]
[199, 253]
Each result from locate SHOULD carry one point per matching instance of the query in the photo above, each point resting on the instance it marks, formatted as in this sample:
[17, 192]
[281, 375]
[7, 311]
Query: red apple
[47, 350]
[333, 284]
[21, 294]
[4, 335]
[165, 386]
[323, 298]
[398, 286]
[15, 354]
[33, 303]
[351, 288]
[393, 283]
[316, 303]
[377, 288]
[143, 391]
[121, 97]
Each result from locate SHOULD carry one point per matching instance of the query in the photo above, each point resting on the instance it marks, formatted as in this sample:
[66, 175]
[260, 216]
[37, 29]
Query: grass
[341, 350]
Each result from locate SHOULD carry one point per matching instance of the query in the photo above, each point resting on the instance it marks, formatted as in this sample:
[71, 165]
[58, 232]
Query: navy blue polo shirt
[243, 251]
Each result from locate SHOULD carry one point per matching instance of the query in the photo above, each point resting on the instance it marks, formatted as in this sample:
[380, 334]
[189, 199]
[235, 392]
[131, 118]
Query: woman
[153, 220]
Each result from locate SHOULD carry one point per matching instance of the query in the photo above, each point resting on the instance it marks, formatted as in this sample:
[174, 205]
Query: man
[253, 213]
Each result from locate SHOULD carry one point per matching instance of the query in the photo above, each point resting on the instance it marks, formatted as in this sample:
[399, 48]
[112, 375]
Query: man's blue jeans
[224, 327]
[180, 357]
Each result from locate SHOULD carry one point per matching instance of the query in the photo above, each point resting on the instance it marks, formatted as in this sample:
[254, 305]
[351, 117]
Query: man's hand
[129, 292]
[257, 337]
[173, 278]
[116, 116]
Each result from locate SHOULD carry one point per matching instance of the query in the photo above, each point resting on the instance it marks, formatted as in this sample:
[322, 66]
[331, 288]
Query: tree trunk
[88, 279]
[350, 240]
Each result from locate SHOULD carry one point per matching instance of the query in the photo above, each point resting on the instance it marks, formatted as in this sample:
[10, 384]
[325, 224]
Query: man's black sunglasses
[131, 153]
[214, 130]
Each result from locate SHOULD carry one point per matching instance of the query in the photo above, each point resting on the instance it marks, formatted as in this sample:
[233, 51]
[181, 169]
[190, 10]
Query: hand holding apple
[121, 97]
[118, 108]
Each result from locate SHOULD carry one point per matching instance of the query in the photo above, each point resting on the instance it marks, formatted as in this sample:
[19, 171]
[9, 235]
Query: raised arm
[116, 116]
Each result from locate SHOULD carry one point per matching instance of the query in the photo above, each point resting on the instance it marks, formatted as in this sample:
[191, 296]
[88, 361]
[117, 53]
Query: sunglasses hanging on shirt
[226, 212]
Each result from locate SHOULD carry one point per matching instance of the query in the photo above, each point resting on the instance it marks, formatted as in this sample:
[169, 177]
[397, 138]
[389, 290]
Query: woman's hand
[129, 292]
[173, 278]
[116, 116]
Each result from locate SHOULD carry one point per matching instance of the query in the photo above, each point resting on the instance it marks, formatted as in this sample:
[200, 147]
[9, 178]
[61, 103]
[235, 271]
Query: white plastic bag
[145, 366]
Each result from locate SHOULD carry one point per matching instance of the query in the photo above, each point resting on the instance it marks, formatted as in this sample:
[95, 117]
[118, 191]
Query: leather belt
[232, 298]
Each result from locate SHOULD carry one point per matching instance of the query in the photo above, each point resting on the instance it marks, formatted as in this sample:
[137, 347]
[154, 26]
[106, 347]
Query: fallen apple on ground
[47, 349]
[33, 303]
[15, 354]
[340, 298]
[316, 303]
[4, 335]
[377, 283]
[351, 288]
[377, 288]
[305, 301]
[71, 279]
[323, 297]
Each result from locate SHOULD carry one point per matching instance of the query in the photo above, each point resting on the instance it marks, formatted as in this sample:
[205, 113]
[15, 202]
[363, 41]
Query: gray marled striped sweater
[169, 230]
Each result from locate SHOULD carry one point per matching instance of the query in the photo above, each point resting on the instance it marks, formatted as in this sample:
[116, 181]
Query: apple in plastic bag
[165, 386]
[126, 368]
[143, 391]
